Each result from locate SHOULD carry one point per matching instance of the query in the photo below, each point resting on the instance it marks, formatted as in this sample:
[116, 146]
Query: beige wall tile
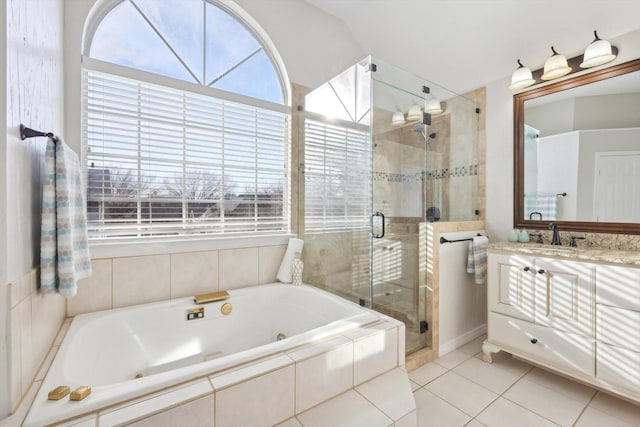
[198, 413]
[238, 268]
[194, 273]
[28, 365]
[269, 259]
[47, 315]
[139, 280]
[271, 398]
[15, 356]
[94, 292]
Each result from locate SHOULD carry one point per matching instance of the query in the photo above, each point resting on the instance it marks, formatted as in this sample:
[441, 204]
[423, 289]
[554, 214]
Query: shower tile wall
[400, 149]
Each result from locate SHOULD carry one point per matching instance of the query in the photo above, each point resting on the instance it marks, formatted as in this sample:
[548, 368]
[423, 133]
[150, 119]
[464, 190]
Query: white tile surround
[270, 384]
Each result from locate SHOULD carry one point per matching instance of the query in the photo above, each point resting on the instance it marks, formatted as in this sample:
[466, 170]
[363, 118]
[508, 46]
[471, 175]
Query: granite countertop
[567, 252]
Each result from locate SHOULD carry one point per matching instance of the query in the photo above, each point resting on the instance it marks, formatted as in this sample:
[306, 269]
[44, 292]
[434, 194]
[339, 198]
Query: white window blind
[337, 162]
[164, 161]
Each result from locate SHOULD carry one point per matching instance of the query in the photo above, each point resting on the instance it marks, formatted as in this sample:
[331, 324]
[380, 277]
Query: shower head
[421, 130]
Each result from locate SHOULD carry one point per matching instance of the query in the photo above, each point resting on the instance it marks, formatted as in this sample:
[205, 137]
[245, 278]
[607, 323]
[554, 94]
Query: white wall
[463, 303]
[558, 171]
[34, 96]
[4, 350]
[500, 142]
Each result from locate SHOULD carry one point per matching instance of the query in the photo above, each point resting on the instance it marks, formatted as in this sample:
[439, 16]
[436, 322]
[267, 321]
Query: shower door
[362, 193]
[398, 200]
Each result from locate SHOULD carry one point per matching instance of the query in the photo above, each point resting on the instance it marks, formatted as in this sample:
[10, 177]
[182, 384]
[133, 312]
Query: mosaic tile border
[457, 172]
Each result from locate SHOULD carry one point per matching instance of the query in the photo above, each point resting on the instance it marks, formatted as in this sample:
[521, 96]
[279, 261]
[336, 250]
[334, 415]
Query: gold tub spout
[211, 297]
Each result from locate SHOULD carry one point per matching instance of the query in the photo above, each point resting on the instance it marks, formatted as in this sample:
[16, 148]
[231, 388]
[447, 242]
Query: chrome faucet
[556, 234]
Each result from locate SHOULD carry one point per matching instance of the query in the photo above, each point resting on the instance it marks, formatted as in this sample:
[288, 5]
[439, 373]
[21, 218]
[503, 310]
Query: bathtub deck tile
[375, 351]
[87, 421]
[261, 401]
[324, 376]
[318, 348]
[197, 413]
[145, 406]
[368, 330]
[244, 373]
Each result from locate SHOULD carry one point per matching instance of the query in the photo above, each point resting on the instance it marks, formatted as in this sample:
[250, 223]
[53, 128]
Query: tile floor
[459, 389]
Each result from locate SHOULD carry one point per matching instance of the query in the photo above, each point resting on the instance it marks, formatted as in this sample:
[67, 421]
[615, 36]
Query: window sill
[100, 250]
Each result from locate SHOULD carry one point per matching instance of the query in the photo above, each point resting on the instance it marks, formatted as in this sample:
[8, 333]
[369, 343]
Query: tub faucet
[556, 234]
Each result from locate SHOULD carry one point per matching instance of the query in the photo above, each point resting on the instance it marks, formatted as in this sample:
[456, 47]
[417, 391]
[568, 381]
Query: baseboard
[446, 347]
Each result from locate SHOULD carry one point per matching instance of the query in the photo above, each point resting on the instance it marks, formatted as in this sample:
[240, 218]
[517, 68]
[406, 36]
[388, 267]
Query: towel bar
[445, 240]
[26, 132]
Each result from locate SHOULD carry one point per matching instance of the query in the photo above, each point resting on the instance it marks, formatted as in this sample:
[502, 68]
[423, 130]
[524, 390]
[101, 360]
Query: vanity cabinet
[579, 318]
[618, 326]
[543, 308]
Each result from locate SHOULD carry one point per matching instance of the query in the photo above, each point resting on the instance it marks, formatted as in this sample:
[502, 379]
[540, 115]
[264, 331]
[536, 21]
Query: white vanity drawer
[618, 366]
[618, 286]
[562, 350]
[618, 326]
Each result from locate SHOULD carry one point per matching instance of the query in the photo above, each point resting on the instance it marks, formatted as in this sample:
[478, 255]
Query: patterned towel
[64, 249]
[477, 258]
[546, 204]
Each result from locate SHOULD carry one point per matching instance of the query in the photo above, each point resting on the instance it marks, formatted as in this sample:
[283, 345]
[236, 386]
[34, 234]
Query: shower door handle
[381, 235]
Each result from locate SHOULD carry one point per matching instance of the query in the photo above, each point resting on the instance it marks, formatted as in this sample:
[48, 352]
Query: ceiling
[466, 44]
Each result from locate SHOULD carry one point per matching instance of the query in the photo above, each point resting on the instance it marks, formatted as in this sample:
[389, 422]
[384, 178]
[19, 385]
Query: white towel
[64, 249]
[477, 258]
[284, 273]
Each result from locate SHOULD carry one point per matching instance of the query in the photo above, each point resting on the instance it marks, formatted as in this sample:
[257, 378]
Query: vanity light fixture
[597, 53]
[415, 113]
[397, 119]
[521, 77]
[556, 66]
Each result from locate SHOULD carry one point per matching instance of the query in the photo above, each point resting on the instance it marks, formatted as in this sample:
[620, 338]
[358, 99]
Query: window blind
[337, 160]
[163, 161]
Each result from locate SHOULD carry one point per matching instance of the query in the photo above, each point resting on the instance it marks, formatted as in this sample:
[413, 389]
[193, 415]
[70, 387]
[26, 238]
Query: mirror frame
[519, 221]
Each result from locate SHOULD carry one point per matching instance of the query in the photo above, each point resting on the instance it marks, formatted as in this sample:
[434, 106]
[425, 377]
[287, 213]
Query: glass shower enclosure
[371, 176]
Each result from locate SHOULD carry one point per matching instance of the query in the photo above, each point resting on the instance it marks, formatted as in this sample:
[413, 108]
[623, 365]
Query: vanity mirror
[577, 153]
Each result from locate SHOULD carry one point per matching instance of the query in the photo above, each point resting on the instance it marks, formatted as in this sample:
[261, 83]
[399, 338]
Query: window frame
[87, 63]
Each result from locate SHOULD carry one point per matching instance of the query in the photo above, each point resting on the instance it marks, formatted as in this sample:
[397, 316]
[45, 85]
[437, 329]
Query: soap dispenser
[514, 235]
[523, 237]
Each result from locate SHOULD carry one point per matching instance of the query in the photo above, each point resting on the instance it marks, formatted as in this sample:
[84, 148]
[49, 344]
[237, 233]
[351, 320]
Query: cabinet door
[511, 289]
[565, 295]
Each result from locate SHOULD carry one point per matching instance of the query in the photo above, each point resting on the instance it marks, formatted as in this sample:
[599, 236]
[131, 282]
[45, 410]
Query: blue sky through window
[191, 40]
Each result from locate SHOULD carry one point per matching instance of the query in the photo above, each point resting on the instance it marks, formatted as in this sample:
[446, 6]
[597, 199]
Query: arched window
[186, 123]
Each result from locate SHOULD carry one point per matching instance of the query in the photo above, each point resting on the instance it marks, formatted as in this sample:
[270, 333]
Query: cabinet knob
[526, 269]
[541, 271]
[534, 340]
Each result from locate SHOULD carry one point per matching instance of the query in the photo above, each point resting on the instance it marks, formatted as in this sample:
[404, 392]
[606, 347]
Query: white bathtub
[107, 350]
